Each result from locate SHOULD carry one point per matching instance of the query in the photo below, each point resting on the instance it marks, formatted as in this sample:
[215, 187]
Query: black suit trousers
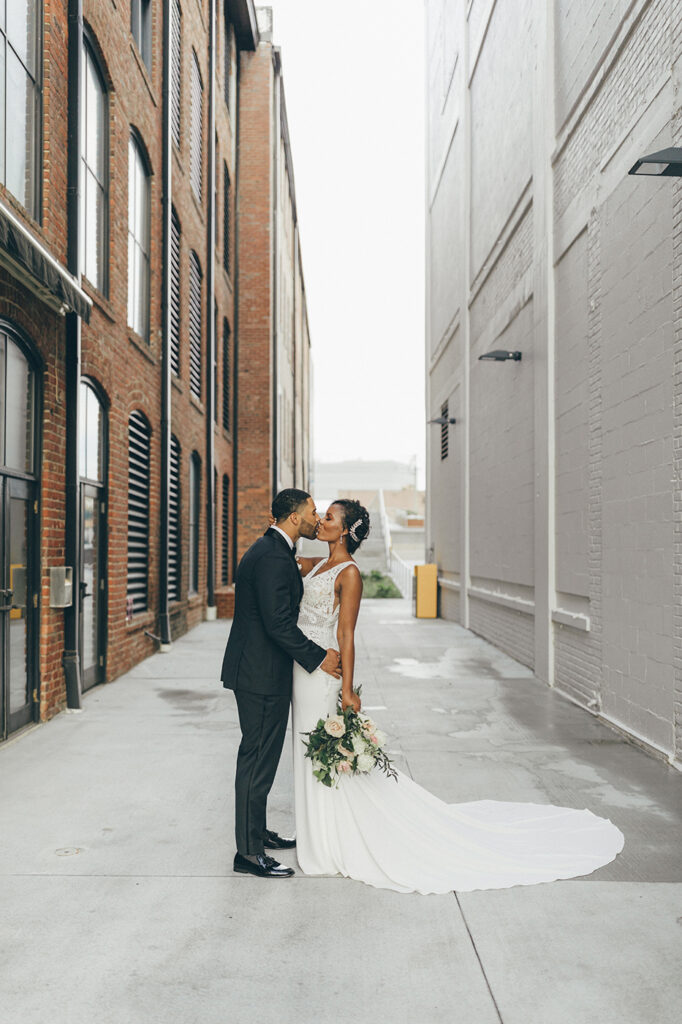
[263, 720]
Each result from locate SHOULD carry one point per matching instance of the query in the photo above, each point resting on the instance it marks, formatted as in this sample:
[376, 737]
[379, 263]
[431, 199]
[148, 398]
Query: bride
[398, 835]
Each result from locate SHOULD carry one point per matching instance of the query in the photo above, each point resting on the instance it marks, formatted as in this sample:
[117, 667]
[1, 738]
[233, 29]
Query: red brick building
[138, 420]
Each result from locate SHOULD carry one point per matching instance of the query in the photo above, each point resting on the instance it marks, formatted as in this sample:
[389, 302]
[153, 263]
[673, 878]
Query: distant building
[273, 411]
[330, 478]
[554, 503]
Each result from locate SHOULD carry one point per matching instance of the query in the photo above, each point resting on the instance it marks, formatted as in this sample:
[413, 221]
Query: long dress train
[398, 835]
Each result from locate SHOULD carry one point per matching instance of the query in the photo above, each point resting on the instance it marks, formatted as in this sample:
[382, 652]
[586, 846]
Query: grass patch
[375, 584]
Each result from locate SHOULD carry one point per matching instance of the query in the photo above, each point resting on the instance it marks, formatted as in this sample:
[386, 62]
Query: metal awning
[29, 261]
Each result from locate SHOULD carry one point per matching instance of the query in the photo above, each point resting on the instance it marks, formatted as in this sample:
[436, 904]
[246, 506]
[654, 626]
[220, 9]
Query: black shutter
[444, 431]
[227, 202]
[196, 138]
[194, 512]
[227, 377]
[195, 325]
[139, 436]
[225, 522]
[174, 582]
[176, 71]
[175, 294]
[227, 69]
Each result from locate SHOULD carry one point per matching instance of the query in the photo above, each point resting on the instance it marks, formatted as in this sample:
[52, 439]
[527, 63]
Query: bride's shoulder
[306, 565]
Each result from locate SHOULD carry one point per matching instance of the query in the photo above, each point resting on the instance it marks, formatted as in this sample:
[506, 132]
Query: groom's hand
[332, 664]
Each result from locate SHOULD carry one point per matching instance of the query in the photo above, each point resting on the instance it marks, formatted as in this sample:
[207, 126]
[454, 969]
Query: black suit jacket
[264, 640]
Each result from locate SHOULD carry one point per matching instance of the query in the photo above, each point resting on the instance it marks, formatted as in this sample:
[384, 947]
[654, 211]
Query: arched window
[194, 509]
[139, 442]
[174, 535]
[138, 239]
[175, 294]
[176, 70]
[94, 169]
[195, 306]
[91, 435]
[141, 28]
[227, 378]
[20, 101]
[225, 523]
[17, 407]
[196, 153]
[227, 220]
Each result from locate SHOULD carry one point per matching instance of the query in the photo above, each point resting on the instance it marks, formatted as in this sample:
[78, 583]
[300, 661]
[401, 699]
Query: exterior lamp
[667, 163]
[443, 420]
[500, 354]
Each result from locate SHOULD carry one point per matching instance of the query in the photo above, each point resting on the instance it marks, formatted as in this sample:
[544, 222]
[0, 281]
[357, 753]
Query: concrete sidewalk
[119, 905]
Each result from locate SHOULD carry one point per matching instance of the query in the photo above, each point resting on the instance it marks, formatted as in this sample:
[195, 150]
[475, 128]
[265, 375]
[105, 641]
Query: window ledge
[199, 406]
[141, 620]
[177, 383]
[140, 344]
[98, 298]
[144, 71]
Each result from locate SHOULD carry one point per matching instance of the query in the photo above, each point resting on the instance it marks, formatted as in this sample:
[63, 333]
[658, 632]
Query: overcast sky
[353, 76]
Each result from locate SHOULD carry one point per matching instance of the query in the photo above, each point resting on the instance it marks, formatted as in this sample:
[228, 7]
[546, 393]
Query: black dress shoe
[271, 841]
[264, 867]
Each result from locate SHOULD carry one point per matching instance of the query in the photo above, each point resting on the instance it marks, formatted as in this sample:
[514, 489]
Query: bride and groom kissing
[292, 645]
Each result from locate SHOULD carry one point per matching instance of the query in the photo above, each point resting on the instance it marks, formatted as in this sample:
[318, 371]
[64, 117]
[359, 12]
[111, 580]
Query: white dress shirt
[286, 537]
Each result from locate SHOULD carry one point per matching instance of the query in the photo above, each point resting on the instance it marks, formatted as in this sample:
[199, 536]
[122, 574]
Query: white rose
[335, 726]
[367, 724]
[380, 737]
[359, 744]
[365, 762]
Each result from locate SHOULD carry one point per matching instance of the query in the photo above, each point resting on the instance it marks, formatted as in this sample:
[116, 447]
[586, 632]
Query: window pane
[2, 108]
[21, 30]
[3, 347]
[19, 423]
[83, 430]
[132, 156]
[20, 132]
[141, 211]
[94, 437]
[92, 229]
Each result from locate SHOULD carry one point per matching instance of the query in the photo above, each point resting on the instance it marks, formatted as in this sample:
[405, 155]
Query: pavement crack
[478, 957]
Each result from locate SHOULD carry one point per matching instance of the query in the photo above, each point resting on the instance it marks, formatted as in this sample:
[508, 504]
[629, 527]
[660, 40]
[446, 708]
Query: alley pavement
[119, 905]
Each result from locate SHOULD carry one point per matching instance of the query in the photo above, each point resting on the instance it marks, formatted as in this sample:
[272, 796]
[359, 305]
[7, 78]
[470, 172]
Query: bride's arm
[350, 593]
[306, 565]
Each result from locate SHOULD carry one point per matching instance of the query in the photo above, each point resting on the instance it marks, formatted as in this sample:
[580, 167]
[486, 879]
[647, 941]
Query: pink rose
[373, 739]
[345, 766]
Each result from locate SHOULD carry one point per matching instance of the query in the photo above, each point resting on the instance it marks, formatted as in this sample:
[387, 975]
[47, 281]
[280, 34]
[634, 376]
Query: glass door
[17, 597]
[92, 586]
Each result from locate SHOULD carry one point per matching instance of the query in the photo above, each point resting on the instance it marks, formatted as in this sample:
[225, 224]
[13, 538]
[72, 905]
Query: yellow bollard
[426, 591]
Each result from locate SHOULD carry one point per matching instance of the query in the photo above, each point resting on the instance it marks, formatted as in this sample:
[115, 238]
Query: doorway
[18, 542]
[92, 588]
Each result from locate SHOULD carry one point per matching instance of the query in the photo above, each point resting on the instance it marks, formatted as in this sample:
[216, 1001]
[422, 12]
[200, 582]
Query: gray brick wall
[510, 630]
[610, 271]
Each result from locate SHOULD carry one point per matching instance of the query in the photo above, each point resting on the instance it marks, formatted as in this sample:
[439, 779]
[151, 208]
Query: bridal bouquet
[346, 743]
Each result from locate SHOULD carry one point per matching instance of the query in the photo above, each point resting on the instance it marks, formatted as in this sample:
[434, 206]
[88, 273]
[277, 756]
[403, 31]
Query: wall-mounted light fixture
[500, 354]
[666, 163]
[443, 420]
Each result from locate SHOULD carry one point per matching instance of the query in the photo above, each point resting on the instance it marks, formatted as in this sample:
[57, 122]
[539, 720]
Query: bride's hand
[271, 519]
[353, 702]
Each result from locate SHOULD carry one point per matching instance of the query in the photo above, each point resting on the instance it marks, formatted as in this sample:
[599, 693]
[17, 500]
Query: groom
[258, 665]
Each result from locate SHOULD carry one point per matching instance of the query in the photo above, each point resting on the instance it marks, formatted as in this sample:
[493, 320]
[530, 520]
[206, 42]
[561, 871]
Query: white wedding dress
[396, 835]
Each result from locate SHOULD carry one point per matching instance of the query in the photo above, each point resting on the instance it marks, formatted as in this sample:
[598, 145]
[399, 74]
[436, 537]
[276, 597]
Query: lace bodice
[317, 617]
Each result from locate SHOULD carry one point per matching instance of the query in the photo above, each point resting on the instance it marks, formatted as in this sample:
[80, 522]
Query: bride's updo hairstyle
[355, 519]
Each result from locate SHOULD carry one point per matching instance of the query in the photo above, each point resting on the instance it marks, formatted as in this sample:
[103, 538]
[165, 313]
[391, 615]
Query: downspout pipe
[166, 208]
[235, 333]
[210, 324]
[274, 254]
[72, 546]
